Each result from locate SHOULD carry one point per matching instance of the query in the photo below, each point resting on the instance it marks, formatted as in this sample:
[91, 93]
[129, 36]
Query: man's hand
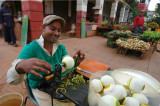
[1, 26]
[80, 55]
[32, 65]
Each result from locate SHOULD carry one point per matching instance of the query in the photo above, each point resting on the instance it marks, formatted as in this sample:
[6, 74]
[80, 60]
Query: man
[139, 22]
[7, 23]
[38, 58]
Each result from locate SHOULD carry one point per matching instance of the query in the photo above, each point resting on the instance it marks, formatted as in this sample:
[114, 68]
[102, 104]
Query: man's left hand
[81, 56]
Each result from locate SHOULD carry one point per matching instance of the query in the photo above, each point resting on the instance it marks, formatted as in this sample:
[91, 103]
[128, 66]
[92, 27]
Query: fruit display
[120, 27]
[151, 36]
[128, 31]
[105, 35]
[104, 22]
[118, 33]
[111, 93]
[153, 25]
[133, 44]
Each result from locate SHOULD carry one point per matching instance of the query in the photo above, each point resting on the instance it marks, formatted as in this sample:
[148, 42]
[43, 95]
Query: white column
[82, 5]
[122, 13]
[52, 9]
[99, 7]
[69, 8]
[126, 15]
[114, 9]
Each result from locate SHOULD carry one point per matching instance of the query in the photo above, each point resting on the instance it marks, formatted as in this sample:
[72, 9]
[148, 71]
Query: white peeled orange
[97, 85]
[106, 80]
[68, 62]
[136, 85]
[109, 100]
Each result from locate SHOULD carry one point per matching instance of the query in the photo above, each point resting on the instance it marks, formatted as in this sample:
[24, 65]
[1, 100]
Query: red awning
[142, 6]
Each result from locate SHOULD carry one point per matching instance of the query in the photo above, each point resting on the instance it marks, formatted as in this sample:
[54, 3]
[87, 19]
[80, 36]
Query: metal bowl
[121, 76]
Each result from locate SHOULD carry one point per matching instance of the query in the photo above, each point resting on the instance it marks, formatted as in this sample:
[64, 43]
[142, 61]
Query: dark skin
[51, 33]
[142, 14]
[6, 4]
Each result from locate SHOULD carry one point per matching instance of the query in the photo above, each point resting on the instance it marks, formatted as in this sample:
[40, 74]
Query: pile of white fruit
[113, 94]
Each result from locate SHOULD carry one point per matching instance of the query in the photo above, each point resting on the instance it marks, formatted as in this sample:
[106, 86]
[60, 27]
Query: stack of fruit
[133, 44]
[153, 25]
[112, 94]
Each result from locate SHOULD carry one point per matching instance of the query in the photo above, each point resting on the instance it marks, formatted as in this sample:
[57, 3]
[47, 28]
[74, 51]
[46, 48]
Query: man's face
[7, 4]
[142, 13]
[52, 32]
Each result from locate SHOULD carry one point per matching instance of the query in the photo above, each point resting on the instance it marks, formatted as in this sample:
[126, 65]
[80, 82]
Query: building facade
[74, 11]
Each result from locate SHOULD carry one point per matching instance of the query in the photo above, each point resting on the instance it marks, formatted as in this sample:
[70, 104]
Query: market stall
[127, 42]
[91, 29]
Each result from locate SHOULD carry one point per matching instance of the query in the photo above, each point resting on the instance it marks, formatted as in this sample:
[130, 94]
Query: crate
[136, 53]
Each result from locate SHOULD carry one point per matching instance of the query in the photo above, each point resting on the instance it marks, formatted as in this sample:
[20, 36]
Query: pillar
[69, 15]
[80, 14]
[114, 10]
[98, 9]
[34, 10]
[48, 7]
[122, 13]
[126, 14]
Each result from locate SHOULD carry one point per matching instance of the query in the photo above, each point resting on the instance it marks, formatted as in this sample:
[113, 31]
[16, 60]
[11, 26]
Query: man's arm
[15, 74]
[32, 65]
[12, 76]
[1, 19]
[143, 22]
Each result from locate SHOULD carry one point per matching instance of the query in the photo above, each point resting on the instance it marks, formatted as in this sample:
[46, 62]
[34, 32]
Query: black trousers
[9, 34]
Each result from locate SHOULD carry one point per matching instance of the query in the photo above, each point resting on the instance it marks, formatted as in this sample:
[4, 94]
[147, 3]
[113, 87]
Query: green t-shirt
[34, 50]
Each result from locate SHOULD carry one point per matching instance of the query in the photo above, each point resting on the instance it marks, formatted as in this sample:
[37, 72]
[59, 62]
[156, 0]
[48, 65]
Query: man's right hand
[32, 65]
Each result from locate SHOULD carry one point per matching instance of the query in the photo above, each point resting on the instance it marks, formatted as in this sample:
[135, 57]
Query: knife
[78, 68]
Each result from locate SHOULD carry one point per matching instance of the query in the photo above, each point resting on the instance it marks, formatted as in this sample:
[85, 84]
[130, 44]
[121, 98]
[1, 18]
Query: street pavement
[94, 47]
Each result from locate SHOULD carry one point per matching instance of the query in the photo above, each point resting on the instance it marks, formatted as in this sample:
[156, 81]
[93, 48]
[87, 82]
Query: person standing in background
[139, 22]
[19, 15]
[7, 23]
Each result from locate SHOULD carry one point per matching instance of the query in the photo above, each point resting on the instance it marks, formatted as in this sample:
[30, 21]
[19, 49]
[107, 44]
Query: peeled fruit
[109, 100]
[127, 89]
[106, 80]
[141, 98]
[97, 85]
[68, 62]
[136, 85]
[117, 91]
[129, 101]
[109, 89]
[122, 90]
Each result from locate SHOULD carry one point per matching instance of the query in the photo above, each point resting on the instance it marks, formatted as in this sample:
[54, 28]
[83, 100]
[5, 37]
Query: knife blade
[78, 68]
